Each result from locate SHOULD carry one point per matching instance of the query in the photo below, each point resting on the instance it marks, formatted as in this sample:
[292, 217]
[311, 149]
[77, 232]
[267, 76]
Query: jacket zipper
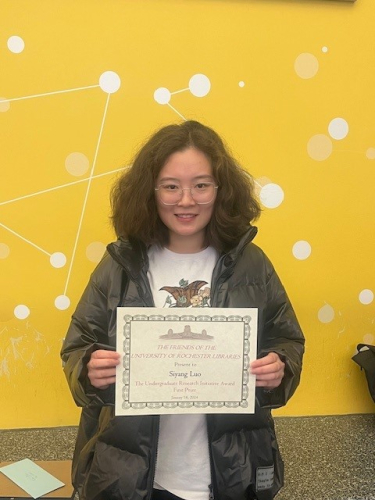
[214, 288]
[156, 418]
[156, 425]
[155, 459]
[211, 495]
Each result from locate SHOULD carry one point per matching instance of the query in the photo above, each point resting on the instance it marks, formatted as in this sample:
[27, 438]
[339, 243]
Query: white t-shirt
[183, 463]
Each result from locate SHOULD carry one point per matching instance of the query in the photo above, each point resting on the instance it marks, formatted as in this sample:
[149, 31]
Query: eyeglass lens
[201, 193]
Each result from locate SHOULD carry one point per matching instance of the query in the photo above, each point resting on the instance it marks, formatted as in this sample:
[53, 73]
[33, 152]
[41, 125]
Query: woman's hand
[102, 368]
[269, 371]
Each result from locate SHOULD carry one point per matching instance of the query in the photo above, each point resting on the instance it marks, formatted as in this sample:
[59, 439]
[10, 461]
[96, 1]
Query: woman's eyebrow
[198, 177]
[169, 179]
[206, 176]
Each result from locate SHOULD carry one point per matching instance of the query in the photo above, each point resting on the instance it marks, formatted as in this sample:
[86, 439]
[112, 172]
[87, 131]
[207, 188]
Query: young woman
[183, 216]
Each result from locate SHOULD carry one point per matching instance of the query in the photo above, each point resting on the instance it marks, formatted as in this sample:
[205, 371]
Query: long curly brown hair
[134, 209]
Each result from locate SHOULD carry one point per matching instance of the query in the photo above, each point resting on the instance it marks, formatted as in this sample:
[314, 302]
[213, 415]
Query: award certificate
[185, 361]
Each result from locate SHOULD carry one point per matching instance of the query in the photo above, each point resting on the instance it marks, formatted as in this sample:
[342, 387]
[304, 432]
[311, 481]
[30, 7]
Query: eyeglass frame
[192, 197]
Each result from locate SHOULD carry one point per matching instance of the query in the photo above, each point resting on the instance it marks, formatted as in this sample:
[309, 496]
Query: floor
[326, 458]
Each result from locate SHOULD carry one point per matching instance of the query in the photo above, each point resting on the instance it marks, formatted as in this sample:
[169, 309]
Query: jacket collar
[131, 253]
[235, 252]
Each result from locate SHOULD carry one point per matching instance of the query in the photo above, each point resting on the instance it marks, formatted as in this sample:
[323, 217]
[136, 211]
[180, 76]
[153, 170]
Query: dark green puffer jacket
[115, 456]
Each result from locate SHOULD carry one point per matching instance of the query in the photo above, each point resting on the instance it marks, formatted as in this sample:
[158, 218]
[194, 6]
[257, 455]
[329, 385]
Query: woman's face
[186, 220]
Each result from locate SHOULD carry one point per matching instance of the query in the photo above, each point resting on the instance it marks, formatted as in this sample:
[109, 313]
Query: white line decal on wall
[49, 93]
[86, 195]
[37, 193]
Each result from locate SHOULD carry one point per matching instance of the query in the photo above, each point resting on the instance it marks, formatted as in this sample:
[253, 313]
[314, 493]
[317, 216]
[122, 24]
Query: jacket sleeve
[89, 331]
[281, 334]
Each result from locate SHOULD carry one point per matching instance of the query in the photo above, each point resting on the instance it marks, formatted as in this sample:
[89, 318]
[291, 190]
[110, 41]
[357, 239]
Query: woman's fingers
[269, 370]
[102, 368]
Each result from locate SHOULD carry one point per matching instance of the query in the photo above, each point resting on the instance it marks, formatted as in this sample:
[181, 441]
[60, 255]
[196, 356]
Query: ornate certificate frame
[185, 360]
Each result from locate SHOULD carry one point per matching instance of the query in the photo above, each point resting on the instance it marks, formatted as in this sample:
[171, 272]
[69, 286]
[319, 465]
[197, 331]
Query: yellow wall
[276, 75]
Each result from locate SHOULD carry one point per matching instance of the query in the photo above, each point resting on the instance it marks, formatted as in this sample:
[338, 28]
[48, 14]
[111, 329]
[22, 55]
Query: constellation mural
[199, 86]
[109, 82]
[24, 346]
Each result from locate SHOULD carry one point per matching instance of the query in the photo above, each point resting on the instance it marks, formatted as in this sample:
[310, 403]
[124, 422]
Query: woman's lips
[185, 216]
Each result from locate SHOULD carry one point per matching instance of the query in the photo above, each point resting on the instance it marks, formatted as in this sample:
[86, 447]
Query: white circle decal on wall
[77, 164]
[338, 128]
[241, 84]
[21, 312]
[306, 65]
[271, 195]
[370, 153]
[366, 296]
[4, 251]
[62, 302]
[162, 95]
[57, 260]
[199, 85]
[109, 82]
[16, 44]
[325, 50]
[95, 251]
[301, 250]
[326, 314]
[319, 147]
[4, 105]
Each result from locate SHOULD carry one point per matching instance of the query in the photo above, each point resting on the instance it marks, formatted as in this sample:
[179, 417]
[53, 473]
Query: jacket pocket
[266, 465]
[115, 474]
[247, 465]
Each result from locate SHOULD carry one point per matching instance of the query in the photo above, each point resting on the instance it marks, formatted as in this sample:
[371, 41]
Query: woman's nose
[186, 198]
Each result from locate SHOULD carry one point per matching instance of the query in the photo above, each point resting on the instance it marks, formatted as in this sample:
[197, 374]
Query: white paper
[31, 478]
[185, 360]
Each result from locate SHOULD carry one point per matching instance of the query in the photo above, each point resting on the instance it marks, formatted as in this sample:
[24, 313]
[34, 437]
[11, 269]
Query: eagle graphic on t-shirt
[188, 294]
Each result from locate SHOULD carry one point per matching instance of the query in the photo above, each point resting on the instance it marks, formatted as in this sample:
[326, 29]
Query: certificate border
[128, 318]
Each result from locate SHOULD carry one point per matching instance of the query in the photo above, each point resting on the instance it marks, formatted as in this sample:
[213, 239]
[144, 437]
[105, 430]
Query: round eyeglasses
[202, 193]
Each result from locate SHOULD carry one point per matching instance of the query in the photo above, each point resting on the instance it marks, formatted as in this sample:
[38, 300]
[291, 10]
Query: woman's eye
[170, 187]
[201, 186]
